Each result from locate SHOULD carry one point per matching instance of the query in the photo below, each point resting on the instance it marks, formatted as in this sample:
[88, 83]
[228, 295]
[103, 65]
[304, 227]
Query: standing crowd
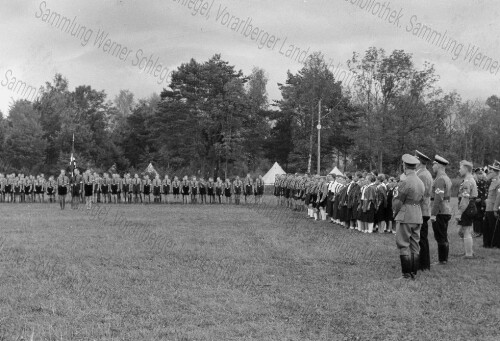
[371, 202]
[365, 202]
[91, 187]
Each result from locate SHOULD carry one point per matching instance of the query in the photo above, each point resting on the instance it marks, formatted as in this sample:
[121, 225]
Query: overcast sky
[35, 44]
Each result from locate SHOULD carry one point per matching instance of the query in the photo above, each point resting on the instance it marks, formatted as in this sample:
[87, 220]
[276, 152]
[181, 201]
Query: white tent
[150, 169]
[336, 171]
[271, 174]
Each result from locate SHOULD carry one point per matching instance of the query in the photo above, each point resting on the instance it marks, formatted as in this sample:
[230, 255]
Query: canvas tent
[271, 174]
[336, 171]
[150, 169]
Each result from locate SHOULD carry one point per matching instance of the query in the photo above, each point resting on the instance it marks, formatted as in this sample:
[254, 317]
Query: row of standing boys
[359, 201]
[368, 203]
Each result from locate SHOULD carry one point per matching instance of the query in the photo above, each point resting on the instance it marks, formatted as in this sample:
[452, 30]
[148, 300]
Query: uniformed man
[8, 188]
[390, 222]
[408, 213]
[27, 188]
[193, 188]
[50, 187]
[185, 189]
[218, 189]
[202, 190]
[76, 187]
[146, 188]
[228, 190]
[238, 187]
[127, 189]
[380, 215]
[62, 188]
[104, 184]
[2, 187]
[176, 185]
[426, 177]
[491, 229]
[137, 188]
[249, 187]
[482, 192]
[441, 210]
[495, 239]
[211, 190]
[88, 186]
[467, 195]
[39, 182]
[166, 183]
[97, 187]
[259, 191]
[115, 187]
[157, 187]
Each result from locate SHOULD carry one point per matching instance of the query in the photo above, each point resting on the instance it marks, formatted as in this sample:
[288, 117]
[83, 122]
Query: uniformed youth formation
[363, 202]
[116, 189]
[374, 203]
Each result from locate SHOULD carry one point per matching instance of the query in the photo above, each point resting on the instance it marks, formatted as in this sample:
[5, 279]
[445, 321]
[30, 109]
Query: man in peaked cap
[406, 205]
[482, 191]
[490, 229]
[441, 209]
[426, 177]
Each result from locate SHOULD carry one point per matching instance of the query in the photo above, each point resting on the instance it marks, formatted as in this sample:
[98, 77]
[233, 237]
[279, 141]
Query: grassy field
[174, 272]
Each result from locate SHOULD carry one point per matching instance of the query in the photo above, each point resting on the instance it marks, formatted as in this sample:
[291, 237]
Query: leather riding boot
[414, 264]
[406, 266]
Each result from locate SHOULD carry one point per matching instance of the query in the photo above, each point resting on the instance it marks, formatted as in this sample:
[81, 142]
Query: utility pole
[319, 137]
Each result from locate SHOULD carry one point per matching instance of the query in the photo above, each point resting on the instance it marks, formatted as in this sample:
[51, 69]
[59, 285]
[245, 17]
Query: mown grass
[227, 273]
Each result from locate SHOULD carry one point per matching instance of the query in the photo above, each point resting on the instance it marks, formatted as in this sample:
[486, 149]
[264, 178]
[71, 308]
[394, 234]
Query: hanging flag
[72, 160]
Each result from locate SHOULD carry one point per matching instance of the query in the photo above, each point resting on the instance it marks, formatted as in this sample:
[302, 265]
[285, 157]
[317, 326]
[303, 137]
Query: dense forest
[215, 120]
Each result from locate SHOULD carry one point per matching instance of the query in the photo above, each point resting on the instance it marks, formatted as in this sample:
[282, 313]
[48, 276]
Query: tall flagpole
[72, 159]
[319, 137]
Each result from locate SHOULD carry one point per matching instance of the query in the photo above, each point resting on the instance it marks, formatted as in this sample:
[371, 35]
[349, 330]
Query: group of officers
[90, 187]
[371, 202]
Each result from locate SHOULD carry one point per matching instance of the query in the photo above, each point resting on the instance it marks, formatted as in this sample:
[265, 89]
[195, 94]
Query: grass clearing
[228, 273]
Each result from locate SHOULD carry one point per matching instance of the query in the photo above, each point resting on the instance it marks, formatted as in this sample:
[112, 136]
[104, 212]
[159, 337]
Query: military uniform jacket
[407, 200]
[440, 195]
[426, 178]
[496, 205]
[492, 195]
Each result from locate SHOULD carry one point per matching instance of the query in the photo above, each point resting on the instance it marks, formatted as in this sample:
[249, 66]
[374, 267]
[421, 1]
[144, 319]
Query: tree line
[214, 120]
